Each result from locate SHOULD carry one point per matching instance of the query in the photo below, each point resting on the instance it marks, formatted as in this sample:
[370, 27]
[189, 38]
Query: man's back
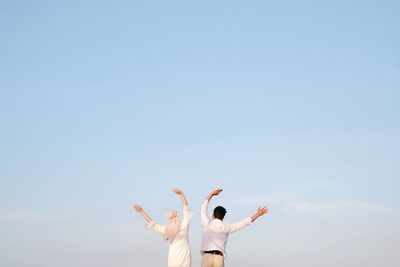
[215, 232]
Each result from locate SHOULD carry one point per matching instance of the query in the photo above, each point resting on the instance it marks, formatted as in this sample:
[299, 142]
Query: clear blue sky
[290, 104]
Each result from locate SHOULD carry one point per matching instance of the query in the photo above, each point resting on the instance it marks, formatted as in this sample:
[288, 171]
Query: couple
[214, 232]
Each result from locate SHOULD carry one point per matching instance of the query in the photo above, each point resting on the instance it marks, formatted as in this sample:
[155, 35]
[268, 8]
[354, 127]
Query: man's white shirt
[215, 233]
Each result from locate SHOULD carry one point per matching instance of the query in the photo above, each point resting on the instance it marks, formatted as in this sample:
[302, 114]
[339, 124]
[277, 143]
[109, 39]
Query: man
[215, 233]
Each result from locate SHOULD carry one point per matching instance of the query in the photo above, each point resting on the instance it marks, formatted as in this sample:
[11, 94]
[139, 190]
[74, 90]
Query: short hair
[219, 212]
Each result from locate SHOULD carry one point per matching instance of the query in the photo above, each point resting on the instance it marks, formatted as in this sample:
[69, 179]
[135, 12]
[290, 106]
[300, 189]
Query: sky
[293, 105]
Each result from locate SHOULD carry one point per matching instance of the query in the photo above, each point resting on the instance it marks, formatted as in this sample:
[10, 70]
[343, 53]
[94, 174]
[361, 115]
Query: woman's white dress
[179, 249]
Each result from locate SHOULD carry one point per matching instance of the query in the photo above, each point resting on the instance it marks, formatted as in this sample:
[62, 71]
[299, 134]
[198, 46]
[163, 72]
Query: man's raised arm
[204, 206]
[242, 224]
[260, 212]
[214, 193]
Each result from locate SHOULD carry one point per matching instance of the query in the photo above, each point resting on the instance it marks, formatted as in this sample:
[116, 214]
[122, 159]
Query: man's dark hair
[219, 212]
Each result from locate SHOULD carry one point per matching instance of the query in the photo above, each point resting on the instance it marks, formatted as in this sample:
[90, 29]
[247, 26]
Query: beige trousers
[211, 260]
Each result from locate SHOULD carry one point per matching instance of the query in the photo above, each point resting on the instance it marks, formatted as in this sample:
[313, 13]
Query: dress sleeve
[187, 216]
[155, 227]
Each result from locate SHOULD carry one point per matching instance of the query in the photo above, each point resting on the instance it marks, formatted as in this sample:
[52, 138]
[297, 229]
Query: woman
[175, 232]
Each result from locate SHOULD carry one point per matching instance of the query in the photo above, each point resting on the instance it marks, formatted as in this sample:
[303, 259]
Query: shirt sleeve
[231, 228]
[187, 216]
[155, 227]
[204, 217]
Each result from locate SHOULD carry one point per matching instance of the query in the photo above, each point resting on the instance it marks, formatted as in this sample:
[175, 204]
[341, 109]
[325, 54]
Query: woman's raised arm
[141, 211]
[183, 197]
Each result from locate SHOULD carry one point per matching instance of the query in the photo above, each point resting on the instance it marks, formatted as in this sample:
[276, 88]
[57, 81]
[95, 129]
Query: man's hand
[138, 208]
[216, 192]
[177, 191]
[261, 211]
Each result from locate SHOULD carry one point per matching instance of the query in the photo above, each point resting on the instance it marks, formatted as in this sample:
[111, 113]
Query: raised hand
[177, 191]
[180, 193]
[261, 211]
[141, 211]
[216, 192]
[138, 208]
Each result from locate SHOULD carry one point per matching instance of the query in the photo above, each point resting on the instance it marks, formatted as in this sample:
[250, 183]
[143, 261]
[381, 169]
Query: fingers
[262, 210]
[217, 191]
[138, 208]
[177, 191]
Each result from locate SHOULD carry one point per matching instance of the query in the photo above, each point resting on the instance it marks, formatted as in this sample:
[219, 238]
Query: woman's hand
[177, 191]
[138, 208]
[182, 195]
